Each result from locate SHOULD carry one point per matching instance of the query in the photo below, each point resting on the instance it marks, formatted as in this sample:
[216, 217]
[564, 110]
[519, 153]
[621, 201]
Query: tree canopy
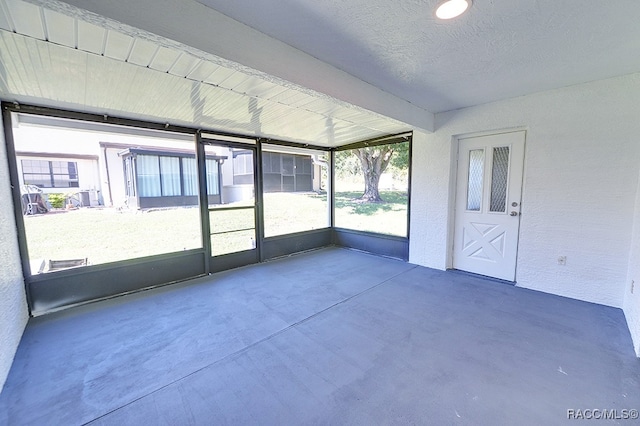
[371, 162]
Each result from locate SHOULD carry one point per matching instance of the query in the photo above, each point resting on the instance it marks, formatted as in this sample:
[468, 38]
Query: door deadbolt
[514, 204]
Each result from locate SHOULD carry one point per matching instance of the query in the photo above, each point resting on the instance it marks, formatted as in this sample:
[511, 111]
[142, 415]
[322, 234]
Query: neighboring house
[286, 172]
[159, 177]
[283, 172]
[148, 170]
[141, 175]
[64, 173]
[163, 177]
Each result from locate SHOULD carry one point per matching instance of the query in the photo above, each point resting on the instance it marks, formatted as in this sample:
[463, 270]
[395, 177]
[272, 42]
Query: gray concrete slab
[333, 336]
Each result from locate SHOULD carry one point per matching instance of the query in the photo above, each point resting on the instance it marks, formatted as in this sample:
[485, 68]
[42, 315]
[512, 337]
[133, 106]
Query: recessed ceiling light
[451, 8]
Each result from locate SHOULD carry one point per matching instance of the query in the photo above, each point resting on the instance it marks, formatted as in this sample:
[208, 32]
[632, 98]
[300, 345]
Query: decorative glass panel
[499, 178]
[476, 174]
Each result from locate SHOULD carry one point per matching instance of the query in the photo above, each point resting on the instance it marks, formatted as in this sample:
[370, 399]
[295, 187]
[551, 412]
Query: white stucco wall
[632, 300]
[580, 184]
[13, 303]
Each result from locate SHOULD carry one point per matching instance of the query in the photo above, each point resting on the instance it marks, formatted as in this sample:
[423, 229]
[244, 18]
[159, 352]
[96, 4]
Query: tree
[372, 162]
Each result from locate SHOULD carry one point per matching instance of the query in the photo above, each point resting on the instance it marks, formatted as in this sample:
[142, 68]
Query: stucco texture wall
[582, 158]
[13, 304]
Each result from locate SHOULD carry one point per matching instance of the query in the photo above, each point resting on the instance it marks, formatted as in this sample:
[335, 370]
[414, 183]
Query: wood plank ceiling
[56, 59]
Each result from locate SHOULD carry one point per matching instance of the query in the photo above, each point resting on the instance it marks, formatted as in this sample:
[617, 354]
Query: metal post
[331, 190]
[204, 200]
[258, 188]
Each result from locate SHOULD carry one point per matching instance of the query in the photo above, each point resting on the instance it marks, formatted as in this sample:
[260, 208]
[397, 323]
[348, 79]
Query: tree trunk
[374, 162]
[371, 192]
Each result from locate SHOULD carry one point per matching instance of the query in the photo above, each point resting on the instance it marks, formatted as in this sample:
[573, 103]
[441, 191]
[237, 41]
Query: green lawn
[288, 212]
[107, 235]
[388, 217]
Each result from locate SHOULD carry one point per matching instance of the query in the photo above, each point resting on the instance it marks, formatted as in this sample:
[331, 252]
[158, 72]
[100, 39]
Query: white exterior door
[488, 195]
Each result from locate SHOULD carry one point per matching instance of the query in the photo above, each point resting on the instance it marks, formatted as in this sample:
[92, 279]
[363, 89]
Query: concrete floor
[328, 337]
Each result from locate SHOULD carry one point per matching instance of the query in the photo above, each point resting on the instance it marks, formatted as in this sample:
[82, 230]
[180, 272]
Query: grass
[108, 235]
[388, 217]
[392, 201]
[287, 212]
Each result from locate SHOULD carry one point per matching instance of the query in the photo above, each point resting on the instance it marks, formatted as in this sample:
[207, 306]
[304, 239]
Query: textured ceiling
[325, 73]
[499, 49]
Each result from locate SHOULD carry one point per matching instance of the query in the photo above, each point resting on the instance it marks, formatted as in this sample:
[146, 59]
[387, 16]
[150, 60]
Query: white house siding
[88, 172]
[60, 145]
[632, 300]
[13, 302]
[113, 182]
[580, 185]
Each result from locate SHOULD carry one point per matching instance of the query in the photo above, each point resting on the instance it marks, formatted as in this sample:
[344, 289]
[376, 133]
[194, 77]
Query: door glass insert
[499, 179]
[474, 182]
[231, 197]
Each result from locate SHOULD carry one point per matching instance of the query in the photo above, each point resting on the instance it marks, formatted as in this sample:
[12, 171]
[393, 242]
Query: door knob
[514, 213]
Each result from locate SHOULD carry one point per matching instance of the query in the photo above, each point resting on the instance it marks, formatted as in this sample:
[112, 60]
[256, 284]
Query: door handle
[513, 213]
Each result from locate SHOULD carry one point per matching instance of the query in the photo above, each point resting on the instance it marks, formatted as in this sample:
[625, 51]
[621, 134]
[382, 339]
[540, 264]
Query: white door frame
[453, 184]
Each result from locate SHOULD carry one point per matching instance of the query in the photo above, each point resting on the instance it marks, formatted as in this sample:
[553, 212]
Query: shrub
[57, 200]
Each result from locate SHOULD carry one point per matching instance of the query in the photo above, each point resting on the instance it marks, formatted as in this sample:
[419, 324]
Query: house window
[171, 176]
[213, 180]
[286, 172]
[148, 168]
[130, 187]
[242, 168]
[243, 163]
[50, 174]
[190, 176]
